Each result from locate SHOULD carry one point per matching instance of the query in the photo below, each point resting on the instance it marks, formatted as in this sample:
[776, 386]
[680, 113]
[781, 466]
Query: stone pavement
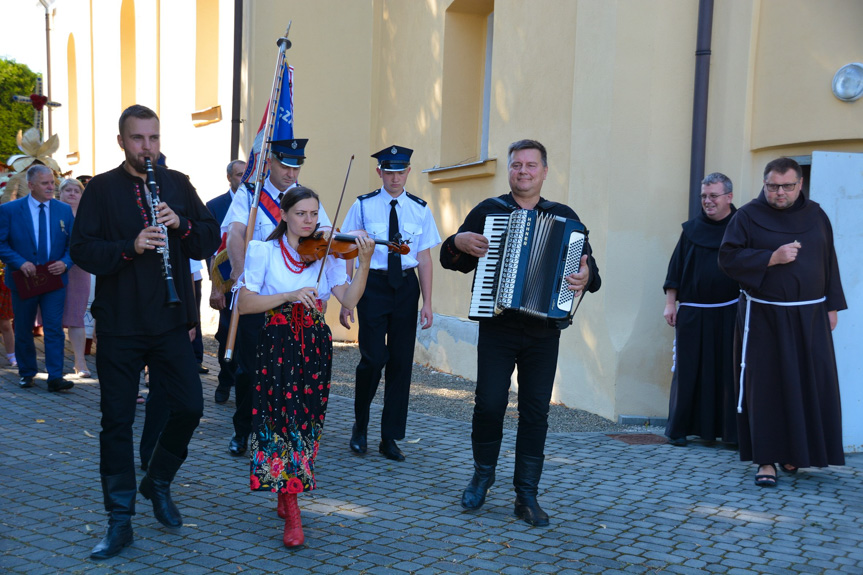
[615, 507]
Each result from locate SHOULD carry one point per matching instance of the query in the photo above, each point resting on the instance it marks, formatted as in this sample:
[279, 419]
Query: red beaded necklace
[294, 266]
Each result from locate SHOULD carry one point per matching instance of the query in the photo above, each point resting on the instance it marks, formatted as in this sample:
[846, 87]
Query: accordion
[529, 256]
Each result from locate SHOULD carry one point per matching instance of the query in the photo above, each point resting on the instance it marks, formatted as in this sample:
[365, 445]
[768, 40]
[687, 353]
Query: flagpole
[272, 111]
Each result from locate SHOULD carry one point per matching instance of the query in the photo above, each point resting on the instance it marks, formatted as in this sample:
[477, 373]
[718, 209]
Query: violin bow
[333, 231]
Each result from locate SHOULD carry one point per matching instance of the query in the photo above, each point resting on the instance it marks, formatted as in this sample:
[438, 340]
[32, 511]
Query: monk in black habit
[702, 400]
[780, 248]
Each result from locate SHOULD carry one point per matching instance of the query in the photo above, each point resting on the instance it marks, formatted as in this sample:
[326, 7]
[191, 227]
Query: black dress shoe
[59, 384]
[25, 382]
[238, 444]
[223, 393]
[359, 443]
[390, 450]
[203, 369]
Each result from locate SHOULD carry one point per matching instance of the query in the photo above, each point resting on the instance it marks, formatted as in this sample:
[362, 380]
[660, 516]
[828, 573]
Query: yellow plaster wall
[801, 45]
[607, 86]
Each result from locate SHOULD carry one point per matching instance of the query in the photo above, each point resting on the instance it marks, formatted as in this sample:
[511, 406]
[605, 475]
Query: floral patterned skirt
[289, 399]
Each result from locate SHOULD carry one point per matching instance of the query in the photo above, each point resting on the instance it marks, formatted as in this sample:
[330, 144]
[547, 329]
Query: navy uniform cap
[289, 153]
[394, 158]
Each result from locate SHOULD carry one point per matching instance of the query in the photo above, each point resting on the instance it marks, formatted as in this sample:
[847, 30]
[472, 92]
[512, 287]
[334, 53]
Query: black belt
[385, 272]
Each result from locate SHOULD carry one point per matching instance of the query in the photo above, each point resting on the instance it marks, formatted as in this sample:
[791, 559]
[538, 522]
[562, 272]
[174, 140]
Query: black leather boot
[528, 470]
[119, 494]
[484, 462]
[156, 486]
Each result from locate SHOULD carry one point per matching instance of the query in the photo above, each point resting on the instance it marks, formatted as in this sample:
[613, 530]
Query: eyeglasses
[786, 187]
[712, 197]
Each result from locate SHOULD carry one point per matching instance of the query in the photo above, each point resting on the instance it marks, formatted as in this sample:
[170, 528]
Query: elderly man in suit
[34, 231]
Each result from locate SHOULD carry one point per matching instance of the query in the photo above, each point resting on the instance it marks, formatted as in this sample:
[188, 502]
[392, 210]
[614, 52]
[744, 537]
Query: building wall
[606, 86]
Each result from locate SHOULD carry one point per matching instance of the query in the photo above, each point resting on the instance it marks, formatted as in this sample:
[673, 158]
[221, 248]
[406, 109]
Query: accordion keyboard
[482, 295]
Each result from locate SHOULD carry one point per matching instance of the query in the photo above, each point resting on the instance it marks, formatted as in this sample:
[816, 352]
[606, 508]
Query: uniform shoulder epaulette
[420, 201]
[368, 195]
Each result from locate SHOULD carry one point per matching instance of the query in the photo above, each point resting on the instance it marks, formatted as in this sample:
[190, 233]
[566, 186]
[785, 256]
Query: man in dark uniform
[219, 298]
[388, 308]
[702, 400]
[116, 239]
[508, 339]
[779, 247]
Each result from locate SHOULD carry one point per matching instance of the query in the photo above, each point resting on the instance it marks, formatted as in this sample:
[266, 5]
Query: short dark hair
[527, 145]
[233, 163]
[292, 197]
[782, 165]
[718, 178]
[136, 111]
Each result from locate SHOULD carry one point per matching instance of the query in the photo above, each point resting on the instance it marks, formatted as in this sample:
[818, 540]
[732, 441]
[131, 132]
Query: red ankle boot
[293, 536]
[280, 508]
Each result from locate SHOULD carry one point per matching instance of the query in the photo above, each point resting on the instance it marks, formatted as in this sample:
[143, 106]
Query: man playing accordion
[511, 339]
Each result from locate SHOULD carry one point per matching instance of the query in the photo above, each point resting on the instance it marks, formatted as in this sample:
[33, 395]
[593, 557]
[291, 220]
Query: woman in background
[78, 288]
[6, 319]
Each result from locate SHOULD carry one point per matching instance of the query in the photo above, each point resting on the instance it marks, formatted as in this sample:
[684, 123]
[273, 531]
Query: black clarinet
[173, 298]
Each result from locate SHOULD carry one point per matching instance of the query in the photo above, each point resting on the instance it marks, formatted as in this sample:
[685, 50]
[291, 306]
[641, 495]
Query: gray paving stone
[683, 511]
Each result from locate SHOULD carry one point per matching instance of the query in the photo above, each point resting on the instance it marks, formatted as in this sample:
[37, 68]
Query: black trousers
[387, 334]
[156, 414]
[245, 348]
[499, 350]
[172, 368]
[226, 368]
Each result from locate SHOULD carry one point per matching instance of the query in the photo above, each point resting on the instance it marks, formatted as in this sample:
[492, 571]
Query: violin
[344, 246]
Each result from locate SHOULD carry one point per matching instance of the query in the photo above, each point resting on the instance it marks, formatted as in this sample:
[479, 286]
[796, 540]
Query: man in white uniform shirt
[388, 308]
[284, 163]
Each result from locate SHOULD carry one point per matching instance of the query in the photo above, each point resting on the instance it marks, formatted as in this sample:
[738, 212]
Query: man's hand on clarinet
[578, 281]
[149, 239]
[167, 216]
[471, 243]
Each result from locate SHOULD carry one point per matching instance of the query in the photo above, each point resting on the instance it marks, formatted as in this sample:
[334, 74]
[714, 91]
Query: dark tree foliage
[15, 80]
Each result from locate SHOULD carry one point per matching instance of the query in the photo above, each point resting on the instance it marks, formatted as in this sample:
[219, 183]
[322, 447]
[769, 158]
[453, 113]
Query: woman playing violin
[294, 352]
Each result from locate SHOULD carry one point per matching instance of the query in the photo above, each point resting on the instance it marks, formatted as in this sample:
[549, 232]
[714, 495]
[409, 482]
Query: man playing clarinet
[117, 239]
[508, 340]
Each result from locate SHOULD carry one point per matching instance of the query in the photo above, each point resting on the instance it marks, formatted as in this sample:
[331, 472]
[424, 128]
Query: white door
[837, 184]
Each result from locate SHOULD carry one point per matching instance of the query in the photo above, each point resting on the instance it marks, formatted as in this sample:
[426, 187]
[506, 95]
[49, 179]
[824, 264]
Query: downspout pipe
[238, 53]
[699, 105]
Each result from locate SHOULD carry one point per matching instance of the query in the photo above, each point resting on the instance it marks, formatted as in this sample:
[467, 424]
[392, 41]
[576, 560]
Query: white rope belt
[749, 300]
[701, 305]
[732, 302]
